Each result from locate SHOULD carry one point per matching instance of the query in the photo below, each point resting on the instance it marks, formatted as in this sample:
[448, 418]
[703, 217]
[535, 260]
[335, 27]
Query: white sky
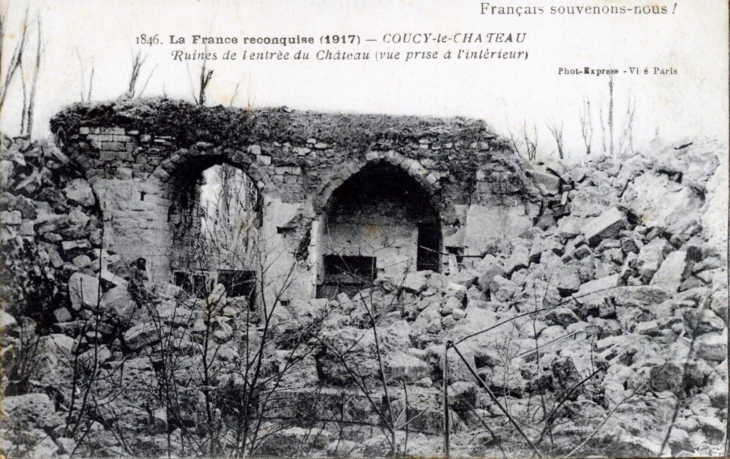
[693, 40]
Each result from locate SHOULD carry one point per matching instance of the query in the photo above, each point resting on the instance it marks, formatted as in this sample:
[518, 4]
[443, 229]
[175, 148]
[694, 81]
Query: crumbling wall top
[239, 127]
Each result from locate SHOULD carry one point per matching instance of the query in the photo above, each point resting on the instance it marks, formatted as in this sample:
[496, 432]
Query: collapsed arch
[379, 223]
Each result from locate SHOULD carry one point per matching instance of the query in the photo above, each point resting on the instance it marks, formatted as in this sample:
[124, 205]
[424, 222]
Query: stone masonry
[140, 156]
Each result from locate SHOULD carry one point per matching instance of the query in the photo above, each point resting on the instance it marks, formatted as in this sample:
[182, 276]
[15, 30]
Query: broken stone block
[712, 427]
[545, 222]
[627, 270]
[400, 366]
[465, 276]
[6, 174]
[719, 304]
[82, 261]
[458, 313]
[53, 224]
[448, 322]
[630, 245]
[8, 324]
[79, 191]
[562, 316]
[718, 393]
[615, 256]
[589, 201]
[13, 218]
[31, 184]
[83, 291]
[543, 243]
[658, 327]
[520, 258]
[31, 411]
[66, 445]
[712, 346]
[690, 283]
[704, 321]
[99, 354]
[62, 315]
[643, 295]
[55, 257]
[78, 218]
[673, 270]
[564, 278]
[26, 207]
[462, 397]
[457, 291]
[661, 202]
[491, 267]
[569, 227]
[668, 376]
[141, 335]
[113, 279]
[451, 304]
[508, 288]
[263, 160]
[651, 257]
[607, 225]
[599, 285]
[547, 183]
[416, 281]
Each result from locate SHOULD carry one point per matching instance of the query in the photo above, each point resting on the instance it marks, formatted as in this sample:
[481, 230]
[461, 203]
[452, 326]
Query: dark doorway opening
[429, 243]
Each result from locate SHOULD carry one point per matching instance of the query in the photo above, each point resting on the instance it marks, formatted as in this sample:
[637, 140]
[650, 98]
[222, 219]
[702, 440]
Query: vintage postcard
[364, 229]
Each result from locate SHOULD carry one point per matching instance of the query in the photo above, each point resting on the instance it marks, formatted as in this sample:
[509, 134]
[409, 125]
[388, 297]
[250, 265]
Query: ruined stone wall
[140, 156]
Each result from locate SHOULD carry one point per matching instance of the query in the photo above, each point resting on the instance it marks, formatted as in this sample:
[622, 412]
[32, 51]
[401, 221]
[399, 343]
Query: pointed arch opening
[380, 223]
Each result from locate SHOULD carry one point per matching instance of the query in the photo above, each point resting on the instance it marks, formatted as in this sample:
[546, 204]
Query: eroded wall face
[136, 223]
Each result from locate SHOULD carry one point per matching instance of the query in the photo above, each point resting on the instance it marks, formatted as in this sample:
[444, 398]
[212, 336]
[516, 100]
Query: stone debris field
[338, 278]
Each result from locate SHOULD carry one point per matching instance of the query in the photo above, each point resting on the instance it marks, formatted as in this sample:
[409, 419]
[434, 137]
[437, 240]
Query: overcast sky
[689, 38]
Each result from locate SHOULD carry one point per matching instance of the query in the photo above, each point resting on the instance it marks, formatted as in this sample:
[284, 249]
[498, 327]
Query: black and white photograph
[327, 229]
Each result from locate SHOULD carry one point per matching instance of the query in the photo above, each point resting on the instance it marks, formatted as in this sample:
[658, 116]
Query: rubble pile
[51, 229]
[604, 325]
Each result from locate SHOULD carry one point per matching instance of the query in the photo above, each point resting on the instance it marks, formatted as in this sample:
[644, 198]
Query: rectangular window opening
[346, 274]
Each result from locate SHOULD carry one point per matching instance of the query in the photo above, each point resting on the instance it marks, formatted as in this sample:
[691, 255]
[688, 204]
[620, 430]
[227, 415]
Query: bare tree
[529, 142]
[85, 96]
[137, 63]
[204, 80]
[28, 115]
[586, 125]
[557, 133]
[626, 138]
[610, 112]
[16, 61]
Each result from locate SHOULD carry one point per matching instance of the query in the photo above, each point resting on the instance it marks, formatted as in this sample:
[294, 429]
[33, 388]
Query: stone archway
[215, 220]
[379, 223]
